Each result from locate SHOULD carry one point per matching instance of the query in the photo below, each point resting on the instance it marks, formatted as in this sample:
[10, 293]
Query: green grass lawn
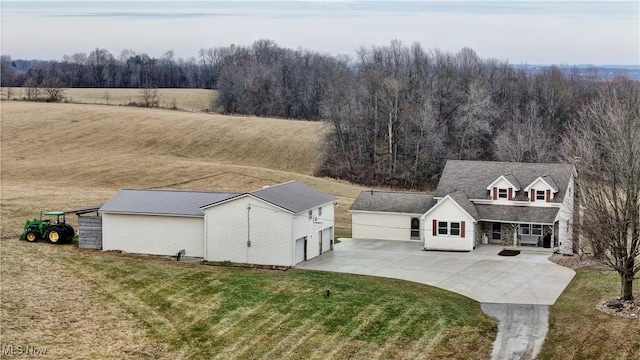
[577, 330]
[207, 312]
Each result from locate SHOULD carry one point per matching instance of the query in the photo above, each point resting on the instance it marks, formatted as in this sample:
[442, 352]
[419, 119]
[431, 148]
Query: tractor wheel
[55, 235]
[30, 236]
[69, 232]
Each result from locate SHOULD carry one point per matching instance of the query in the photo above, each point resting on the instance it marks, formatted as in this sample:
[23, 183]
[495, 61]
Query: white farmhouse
[479, 202]
[278, 225]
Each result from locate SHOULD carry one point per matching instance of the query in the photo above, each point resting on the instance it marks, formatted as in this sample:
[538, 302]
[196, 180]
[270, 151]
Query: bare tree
[98, 61]
[31, 89]
[606, 140]
[8, 92]
[392, 106]
[149, 97]
[525, 140]
[474, 121]
[53, 89]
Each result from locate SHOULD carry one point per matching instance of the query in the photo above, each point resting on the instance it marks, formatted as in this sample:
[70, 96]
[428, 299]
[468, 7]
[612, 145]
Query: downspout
[206, 237]
[292, 241]
[248, 230]
[333, 227]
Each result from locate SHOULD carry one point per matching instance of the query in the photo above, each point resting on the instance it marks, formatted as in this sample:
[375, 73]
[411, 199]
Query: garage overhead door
[326, 239]
[301, 250]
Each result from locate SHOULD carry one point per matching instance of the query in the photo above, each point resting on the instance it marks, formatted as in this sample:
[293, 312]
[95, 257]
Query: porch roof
[520, 214]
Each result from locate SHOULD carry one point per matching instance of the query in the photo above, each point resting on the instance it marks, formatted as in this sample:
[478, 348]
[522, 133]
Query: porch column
[515, 235]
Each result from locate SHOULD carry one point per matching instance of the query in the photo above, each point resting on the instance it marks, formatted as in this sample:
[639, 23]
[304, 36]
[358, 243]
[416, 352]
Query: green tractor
[58, 232]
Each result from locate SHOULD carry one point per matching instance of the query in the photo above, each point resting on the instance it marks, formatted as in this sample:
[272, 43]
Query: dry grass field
[100, 149]
[184, 99]
[81, 304]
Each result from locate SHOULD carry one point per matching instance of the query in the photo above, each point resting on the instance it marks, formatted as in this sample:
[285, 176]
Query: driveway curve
[516, 290]
[483, 275]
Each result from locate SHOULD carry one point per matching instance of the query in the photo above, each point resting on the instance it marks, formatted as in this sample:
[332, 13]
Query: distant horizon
[598, 33]
[562, 65]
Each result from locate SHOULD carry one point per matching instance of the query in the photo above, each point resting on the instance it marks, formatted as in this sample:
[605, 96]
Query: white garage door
[326, 240]
[301, 248]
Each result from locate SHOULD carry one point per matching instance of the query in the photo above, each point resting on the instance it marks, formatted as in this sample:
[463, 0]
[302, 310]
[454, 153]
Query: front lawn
[206, 312]
[577, 330]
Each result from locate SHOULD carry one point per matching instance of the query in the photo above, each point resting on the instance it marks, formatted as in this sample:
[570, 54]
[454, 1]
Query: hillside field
[81, 304]
[78, 155]
[183, 99]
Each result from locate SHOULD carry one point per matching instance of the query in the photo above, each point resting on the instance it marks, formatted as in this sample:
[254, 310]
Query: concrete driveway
[516, 290]
[483, 275]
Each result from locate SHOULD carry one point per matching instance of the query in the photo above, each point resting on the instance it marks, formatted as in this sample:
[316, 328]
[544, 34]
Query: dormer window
[540, 195]
[503, 188]
[502, 194]
[542, 189]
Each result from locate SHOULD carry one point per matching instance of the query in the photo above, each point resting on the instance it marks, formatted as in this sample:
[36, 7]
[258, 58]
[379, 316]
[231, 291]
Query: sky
[521, 32]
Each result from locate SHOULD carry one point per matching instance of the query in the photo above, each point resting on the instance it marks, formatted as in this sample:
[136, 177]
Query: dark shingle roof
[512, 179]
[466, 204]
[162, 202]
[550, 181]
[294, 196]
[525, 214]
[389, 201]
[473, 177]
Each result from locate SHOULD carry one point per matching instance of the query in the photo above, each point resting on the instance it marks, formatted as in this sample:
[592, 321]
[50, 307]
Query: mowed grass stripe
[289, 343]
[233, 320]
[111, 287]
[247, 333]
[314, 344]
[399, 325]
[362, 320]
[205, 312]
[424, 347]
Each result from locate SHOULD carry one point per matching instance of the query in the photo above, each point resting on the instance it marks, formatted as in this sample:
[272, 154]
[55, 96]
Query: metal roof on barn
[163, 202]
[294, 196]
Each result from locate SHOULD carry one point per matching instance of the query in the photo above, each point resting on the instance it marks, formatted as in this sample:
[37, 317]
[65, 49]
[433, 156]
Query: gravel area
[572, 262]
[614, 306]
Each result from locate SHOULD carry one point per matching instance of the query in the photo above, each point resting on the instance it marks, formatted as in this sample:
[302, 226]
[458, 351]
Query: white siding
[227, 233]
[303, 226]
[565, 221]
[448, 210]
[153, 234]
[382, 226]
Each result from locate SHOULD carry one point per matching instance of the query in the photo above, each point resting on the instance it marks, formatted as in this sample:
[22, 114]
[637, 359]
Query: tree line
[401, 112]
[397, 112]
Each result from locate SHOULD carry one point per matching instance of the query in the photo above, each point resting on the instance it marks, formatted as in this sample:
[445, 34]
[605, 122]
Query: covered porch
[518, 235]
